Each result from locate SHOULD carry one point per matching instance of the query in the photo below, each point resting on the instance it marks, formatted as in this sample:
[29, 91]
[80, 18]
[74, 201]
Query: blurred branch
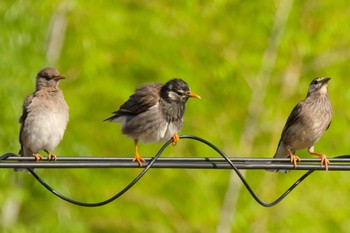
[255, 109]
[57, 32]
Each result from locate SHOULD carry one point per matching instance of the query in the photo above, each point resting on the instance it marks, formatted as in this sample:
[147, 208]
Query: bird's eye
[47, 78]
[314, 81]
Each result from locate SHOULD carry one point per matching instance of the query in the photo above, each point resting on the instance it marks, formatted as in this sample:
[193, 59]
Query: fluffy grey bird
[154, 113]
[45, 116]
[306, 124]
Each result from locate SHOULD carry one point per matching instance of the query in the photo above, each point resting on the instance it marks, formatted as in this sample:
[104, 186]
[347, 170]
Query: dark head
[48, 77]
[318, 85]
[177, 90]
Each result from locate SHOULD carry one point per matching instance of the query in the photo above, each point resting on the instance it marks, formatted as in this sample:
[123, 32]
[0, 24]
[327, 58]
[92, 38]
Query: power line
[336, 164]
[10, 160]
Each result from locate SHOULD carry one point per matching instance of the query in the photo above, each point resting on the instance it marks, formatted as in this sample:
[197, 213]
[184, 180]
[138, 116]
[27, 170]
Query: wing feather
[144, 98]
[28, 100]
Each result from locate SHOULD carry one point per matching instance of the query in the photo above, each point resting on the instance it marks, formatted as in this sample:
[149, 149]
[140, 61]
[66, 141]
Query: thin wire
[151, 163]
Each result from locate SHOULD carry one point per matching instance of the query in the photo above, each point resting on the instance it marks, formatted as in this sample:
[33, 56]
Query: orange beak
[194, 95]
[58, 77]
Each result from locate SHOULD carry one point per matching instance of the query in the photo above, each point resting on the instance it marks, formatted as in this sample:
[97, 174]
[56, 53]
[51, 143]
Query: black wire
[85, 204]
[7, 155]
[250, 190]
[151, 163]
[132, 183]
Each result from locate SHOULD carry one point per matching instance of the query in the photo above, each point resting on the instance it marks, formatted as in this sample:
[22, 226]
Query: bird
[306, 124]
[154, 113]
[45, 116]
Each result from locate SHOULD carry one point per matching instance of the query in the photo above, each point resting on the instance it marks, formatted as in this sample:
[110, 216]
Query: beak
[325, 80]
[58, 77]
[194, 95]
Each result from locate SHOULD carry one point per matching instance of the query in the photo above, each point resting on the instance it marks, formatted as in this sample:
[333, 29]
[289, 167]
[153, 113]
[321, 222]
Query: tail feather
[21, 153]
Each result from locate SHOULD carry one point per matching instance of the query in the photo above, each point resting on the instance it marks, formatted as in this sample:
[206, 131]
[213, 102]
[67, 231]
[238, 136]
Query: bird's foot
[37, 156]
[51, 157]
[294, 159]
[139, 159]
[324, 161]
[175, 138]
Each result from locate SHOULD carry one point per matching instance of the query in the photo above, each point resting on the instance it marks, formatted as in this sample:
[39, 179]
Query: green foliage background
[249, 73]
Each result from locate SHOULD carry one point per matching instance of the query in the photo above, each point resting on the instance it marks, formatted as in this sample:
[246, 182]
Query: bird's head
[318, 85]
[177, 90]
[48, 77]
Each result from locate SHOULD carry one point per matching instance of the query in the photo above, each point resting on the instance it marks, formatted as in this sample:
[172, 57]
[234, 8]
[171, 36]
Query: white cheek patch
[172, 95]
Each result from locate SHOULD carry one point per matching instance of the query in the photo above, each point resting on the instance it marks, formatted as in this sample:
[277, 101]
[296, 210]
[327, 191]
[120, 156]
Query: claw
[175, 138]
[37, 156]
[50, 156]
[324, 160]
[293, 158]
[139, 159]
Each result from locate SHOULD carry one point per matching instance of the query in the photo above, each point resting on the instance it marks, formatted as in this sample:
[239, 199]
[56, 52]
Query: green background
[251, 61]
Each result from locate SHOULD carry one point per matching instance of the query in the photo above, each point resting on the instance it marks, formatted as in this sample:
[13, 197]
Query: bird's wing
[28, 100]
[144, 98]
[293, 117]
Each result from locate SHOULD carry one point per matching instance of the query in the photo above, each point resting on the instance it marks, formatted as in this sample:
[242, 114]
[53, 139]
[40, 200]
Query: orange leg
[175, 138]
[324, 160]
[37, 156]
[50, 156]
[137, 157]
[293, 158]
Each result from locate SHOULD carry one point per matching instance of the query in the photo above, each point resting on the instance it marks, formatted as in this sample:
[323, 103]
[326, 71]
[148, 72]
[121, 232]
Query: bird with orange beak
[154, 113]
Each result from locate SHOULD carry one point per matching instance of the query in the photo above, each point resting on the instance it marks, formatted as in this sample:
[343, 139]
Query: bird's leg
[324, 160]
[37, 156]
[175, 138]
[137, 157]
[50, 156]
[293, 158]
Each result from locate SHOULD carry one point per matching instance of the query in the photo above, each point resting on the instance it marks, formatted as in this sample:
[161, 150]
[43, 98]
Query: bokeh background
[251, 61]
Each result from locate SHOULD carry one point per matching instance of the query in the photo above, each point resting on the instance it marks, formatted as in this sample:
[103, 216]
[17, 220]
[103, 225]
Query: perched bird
[307, 122]
[154, 113]
[45, 116]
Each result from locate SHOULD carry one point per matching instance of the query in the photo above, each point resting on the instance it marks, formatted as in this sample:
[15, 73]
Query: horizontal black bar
[336, 164]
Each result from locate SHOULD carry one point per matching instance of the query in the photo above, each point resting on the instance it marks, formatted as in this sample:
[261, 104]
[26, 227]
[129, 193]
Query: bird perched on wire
[45, 116]
[154, 113]
[307, 122]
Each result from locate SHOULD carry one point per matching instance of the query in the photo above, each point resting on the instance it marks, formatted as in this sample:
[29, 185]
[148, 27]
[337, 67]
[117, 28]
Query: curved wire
[244, 181]
[143, 172]
[7, 155]
[96, 204]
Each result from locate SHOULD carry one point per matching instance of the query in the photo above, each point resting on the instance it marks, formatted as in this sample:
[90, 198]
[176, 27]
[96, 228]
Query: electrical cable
[150, 164]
